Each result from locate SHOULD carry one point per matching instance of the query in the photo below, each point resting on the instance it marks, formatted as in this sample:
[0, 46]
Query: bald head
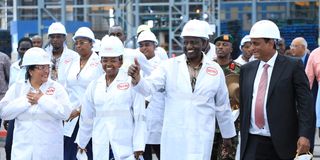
[117, 31]
[298, 47]
[37, 41]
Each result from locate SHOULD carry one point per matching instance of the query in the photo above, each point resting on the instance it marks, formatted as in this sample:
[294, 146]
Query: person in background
[224, 50]
[130, 54]
[61, 55]
[37, 41]
[112, 112]
[276, 111]
[17, 73]
[195, 95]
[282, 46]
[81, 72]
[155, 104]
[4, 74]
[210, 48]
[246, 49]
[299, 49]
[38, 105]
[159, 51]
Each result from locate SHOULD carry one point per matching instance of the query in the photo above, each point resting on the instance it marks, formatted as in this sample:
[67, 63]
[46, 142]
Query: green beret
[224, 37]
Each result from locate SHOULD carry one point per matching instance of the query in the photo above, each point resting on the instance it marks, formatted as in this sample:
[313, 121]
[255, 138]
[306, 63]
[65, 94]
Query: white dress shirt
[264, 131]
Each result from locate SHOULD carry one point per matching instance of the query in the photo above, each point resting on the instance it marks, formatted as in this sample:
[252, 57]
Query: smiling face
[39, 73]
[192, 47]
[263, 49]
[147, 48]
[111, 65]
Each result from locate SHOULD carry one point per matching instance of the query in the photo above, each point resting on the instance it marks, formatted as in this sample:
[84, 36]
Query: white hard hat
[36, 56]
[207, 27]
[245, 39]
[147, 36]
[57, 28]
[84, 32]
[265, 29]
[111, 47]
[194, 28]
[143, 27]
[96, 45]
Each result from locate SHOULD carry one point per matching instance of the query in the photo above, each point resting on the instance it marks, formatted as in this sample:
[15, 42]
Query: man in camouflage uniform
[224, 50]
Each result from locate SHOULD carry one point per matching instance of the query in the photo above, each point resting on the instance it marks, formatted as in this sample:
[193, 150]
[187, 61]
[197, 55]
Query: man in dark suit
[299, 49]
[276, 112]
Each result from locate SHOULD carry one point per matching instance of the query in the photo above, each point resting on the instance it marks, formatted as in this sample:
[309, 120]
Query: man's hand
[137, 154]
[303, 145]
[134, 72]
[75, 113]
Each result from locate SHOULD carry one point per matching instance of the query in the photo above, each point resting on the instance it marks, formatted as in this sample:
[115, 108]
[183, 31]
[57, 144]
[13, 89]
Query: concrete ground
[316, 150]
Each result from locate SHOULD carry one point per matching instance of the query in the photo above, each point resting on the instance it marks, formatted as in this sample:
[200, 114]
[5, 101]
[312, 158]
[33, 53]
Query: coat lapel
[251, 77]
[278, 69]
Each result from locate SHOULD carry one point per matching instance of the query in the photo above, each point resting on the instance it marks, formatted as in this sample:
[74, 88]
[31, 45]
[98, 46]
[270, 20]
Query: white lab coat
[66, 58]
[113, 115]
[212, 52]
[16, 72]
[161, 53]
[189, 117]
[155, 110]
[129, 56]
[77, 82]
[38, 131]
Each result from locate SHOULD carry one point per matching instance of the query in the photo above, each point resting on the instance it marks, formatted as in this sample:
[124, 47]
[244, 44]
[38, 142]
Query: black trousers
[147, 155]
[260, 148]
[9, 139]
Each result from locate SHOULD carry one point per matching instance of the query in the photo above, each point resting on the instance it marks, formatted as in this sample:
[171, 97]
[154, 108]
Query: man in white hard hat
[246, 49]
[159, 51]
[210, 48]
[276, 111]
[61, 55]
[195, 95]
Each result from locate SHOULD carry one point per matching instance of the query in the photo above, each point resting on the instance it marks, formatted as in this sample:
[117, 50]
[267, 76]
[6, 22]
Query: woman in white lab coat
[81, 72]
[112, 112]
[154, 113]
[38, 105]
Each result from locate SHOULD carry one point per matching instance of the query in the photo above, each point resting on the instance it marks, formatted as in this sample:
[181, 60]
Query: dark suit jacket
[289, 104]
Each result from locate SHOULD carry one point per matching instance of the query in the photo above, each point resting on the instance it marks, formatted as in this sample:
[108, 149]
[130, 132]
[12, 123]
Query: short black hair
[27, 39]
[27, 75]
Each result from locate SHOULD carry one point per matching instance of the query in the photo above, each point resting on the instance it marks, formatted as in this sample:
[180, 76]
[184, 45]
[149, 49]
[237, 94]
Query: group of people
[126, 104]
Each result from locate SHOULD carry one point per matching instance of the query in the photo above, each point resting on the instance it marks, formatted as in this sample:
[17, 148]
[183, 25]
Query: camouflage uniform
[219, 151]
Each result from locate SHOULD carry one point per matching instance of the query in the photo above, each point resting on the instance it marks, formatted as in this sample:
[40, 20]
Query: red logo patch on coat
[50, 91]
[95, 64]
[212, 71]
[123, 86]
[66, 61]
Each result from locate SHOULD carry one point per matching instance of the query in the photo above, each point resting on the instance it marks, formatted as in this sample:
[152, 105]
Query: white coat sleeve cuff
[142, 88]
[225, 121]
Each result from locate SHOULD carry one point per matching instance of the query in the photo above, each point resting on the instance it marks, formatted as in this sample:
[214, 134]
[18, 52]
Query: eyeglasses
[44, 67]
[80, 43]
[295, 46]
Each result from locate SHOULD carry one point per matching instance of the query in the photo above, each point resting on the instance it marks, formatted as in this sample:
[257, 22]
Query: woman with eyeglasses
[38, 105]
[81, 72]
